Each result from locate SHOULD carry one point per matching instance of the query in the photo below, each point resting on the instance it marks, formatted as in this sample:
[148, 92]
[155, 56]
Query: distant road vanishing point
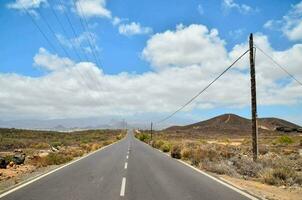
[129, 170]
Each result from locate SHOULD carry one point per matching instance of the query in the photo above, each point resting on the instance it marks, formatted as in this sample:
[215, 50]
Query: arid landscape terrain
[222, 146]
[27, 153]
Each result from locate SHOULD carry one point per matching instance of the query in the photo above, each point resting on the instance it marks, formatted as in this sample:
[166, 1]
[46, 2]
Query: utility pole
[151, 130]
[253, 100]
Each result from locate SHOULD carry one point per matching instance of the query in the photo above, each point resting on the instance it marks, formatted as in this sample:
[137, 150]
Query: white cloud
[26, 4]
[116, 21]
[92, 8]
[190, 45]
[186, 60]
[290, 24]
[133, 29]
[242, 8]
[51, 62]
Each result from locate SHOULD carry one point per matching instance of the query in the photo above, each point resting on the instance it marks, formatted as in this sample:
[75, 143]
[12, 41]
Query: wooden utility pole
[151, 130]
[254, 100]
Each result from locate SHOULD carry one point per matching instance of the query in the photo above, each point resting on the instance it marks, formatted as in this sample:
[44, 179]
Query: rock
[300, 152]
[54, 149]
[3, 163]
[11, 164]
[19, 159]
[43, 154]
[18, 151]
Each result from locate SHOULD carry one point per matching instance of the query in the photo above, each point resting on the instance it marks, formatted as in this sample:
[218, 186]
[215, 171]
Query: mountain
[234, 124]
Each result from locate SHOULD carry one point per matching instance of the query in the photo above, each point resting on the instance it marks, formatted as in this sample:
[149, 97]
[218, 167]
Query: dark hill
[233, 124]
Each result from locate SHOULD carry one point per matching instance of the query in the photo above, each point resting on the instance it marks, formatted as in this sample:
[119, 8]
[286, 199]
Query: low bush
[187, 153]
[40, 145]
[285, 140]
[144, 137]
[220, 167]
[57, 159]
[247, 167]
[165, 147]
[280, 176]
[157, 144]
[176, 151]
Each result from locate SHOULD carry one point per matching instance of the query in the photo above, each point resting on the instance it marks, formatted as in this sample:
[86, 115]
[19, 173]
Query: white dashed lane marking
[122, 193]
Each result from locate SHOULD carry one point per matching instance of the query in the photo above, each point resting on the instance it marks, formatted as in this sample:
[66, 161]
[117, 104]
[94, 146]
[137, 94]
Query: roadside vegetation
[279, 163]
[26, 151]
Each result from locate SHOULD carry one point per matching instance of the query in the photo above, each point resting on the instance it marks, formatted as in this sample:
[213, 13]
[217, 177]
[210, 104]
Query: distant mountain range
[234, 124]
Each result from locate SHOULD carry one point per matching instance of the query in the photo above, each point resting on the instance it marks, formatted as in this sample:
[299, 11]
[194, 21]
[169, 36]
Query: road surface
[129, 170]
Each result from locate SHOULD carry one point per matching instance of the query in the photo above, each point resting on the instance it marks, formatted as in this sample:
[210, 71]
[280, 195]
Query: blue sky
[121, 51]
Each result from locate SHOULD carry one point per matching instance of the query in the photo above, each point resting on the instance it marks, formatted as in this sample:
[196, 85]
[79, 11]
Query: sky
[142, 60]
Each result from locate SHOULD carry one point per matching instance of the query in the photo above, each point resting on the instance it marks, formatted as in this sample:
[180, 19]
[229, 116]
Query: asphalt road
[142, 173]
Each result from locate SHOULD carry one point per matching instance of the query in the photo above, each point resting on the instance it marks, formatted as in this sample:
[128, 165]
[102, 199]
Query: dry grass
[279, 162]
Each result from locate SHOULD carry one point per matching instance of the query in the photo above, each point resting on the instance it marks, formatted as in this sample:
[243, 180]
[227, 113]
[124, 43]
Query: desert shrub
[57, 159]
[268, 177]
[228, 152]
[186, 153]
[107, 143]
[263, 149]
[76, 152]
[95, 146]
[40, 145]
[196, 158]
[144, 137]
[176, 151]
[165, 147]
[247, 167]
[284, 139]
[278, 176]
[56, 144]
[220, 167]
[209, 153]
[157, 144]
[120, 136]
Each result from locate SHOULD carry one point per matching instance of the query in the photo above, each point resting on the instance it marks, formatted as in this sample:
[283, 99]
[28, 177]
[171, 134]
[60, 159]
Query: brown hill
[234, 124]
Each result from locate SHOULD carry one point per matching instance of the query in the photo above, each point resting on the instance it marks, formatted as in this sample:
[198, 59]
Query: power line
[89, 76]
[90, 39]
[54, 34]
[65, 32]
[40, 30]
[203, 90]
[277, 64]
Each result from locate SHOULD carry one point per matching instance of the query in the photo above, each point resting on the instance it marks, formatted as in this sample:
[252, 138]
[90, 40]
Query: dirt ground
[265, 191]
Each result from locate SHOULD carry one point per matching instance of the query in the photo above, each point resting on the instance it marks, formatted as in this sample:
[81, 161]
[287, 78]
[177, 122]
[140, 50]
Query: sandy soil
[265, 191]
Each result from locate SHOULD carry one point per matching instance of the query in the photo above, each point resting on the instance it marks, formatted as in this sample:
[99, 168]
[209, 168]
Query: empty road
[129, 170]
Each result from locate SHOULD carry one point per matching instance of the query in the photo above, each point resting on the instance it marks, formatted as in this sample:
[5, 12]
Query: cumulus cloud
[290, 24]
[92, 8]
[26, 4]
[133, 29]
[185, 46]
[51, 62]
[242, 8]
[74, 90]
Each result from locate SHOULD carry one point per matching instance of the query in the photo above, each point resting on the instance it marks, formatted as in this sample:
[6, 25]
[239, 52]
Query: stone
[3, 163]
[19, 159]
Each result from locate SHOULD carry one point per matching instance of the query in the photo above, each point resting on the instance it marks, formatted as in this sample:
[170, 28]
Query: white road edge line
[126, 165]
[52, 171]
[123, 186]
[127, 157]
[208, 175]
[219, 181]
